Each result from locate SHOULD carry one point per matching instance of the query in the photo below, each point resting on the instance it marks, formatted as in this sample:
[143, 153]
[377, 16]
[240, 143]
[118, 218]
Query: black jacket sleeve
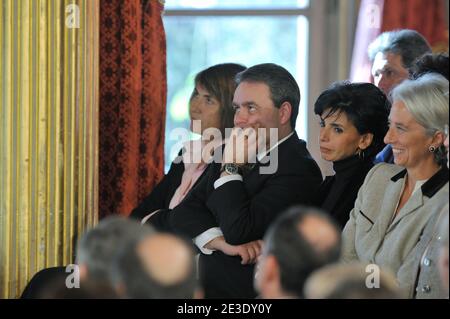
[244, 210]
[191, 217]
[243, 218]
[161, 195]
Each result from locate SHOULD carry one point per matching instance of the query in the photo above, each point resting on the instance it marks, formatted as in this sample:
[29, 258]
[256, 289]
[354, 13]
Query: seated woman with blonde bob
[396, 202]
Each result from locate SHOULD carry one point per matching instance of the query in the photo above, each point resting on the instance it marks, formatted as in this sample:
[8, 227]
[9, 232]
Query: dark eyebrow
[249, 103]
[336, 125]
[245, 104]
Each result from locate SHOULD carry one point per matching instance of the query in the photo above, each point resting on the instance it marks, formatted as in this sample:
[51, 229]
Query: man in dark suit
[392, 55]
[254, 182]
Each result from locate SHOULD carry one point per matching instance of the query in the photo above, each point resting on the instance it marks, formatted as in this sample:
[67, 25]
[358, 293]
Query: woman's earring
[360, 153]
[432, 149]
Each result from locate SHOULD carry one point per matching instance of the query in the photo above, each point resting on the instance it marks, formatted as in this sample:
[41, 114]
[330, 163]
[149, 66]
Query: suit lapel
[392, 195]
[413, 203]
[433, 185]
[332, 201]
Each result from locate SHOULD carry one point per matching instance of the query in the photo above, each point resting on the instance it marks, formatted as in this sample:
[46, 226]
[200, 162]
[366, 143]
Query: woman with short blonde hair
[396, 202]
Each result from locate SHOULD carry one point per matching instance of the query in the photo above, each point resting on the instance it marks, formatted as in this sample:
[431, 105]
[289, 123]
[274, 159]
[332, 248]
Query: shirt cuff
[201, 240]
[219, 182]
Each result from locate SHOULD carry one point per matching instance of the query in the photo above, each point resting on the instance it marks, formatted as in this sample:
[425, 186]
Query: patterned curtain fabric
[427, 17]
[376, 16]
[132, 102]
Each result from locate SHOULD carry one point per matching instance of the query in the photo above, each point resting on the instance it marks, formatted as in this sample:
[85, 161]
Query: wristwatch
[231, 168]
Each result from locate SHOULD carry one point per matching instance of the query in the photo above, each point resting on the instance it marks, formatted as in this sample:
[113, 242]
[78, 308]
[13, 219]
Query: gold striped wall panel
[48, 134]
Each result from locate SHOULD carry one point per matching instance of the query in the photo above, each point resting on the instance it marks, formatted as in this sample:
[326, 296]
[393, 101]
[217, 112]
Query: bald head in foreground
[160, 266]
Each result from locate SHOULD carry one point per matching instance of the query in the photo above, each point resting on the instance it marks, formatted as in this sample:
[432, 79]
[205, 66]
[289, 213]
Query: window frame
[316, 72]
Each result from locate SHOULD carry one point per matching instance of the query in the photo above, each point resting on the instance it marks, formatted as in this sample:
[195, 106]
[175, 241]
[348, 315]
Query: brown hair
[219, 81]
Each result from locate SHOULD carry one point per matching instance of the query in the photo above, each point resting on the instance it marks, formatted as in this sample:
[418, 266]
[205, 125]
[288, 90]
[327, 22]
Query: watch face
[231, 169]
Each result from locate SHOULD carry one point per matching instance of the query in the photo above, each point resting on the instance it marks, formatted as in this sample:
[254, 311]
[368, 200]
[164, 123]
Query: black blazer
[338, 193]
[42, 280]
[161, 195]
[243, 211]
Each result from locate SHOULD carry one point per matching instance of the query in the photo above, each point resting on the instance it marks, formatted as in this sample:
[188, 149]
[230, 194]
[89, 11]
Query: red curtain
[426, 17]
[132, 102]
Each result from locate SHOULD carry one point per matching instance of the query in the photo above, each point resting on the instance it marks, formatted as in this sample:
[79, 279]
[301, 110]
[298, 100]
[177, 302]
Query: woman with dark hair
[210, 107]
[211, 111]
[430, 63]
[353, 120]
